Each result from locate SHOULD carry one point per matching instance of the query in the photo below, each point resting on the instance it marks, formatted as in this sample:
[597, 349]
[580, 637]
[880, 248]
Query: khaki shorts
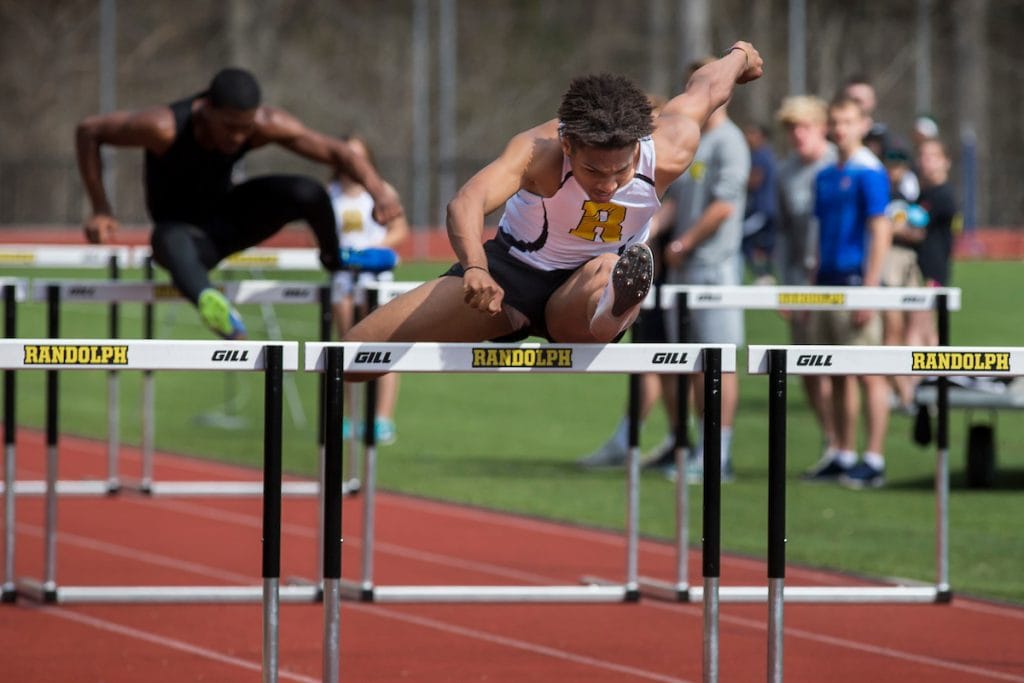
[801, 327]
[837, 328]
[900, 268]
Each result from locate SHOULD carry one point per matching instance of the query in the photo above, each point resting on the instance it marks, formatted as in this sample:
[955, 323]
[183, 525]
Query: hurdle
[86, 256]
[498, 358]
[54, 355]
[779, 362]
[683, 298]
[12, 290]
[56, 292]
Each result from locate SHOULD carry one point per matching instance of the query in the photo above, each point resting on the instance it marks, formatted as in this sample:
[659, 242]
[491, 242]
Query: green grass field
[510, 443]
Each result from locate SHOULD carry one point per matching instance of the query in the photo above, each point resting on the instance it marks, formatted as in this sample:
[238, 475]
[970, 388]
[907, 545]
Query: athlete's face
[599, 171]
[229, 128]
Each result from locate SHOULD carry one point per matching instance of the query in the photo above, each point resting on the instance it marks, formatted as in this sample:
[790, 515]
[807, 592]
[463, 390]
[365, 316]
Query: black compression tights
[250, 213]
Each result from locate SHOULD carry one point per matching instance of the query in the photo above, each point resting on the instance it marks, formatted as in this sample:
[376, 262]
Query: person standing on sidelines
[804, 119]
[935, 251]
[854, 237]
[569, 262]
[200, 214]
[908, 220]
[706, 249]
[760, 216]
[360, 235]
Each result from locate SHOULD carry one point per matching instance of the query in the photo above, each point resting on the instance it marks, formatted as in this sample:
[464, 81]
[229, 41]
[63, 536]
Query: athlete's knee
[308, 192]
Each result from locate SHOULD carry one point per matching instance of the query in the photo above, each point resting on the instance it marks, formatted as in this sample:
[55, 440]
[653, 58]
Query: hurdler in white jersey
[569, 261]
[568, 229]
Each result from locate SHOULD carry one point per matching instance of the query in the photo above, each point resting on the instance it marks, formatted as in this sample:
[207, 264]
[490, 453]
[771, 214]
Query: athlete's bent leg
[602, 298]
[188, 253]
[433, 312]
[260, 207]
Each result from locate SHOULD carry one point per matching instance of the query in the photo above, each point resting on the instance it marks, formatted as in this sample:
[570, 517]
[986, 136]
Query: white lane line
[515, 643]
[879, 650]
[169, 643]
[424, 622]
[496, 517]
[690, 610]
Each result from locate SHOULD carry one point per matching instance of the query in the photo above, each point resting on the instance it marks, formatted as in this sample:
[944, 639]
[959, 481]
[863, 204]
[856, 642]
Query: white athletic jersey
[354, 217]
[568, 229]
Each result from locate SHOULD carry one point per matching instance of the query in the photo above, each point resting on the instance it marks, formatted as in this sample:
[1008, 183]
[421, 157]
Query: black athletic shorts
[527, 289]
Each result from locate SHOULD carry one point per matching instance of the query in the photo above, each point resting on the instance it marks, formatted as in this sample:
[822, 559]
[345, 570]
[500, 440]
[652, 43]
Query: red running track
[134, 540]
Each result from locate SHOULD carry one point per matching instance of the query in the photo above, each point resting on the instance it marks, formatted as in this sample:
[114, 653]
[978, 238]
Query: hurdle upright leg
[332, 511]
[272, 409]
[776, 509]
[9, 591]
[712, 507]
[942, 465]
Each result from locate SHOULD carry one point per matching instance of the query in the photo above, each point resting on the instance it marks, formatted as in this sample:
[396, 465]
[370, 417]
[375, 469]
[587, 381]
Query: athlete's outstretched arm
[152, 129]
[677, 128]
[282, 128]
[483, 193]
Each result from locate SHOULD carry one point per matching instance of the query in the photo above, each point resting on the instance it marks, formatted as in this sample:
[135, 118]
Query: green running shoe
[219, 315]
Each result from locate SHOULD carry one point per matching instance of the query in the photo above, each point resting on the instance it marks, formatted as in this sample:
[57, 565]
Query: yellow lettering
[1003, 362]
[600, 220]
[31, 355]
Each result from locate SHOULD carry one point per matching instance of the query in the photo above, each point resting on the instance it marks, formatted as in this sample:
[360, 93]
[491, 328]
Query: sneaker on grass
[862, 476]
[663, 456]
[385, 431]
[827, 469]
[219, 315]
[610, 454]
[695, 471]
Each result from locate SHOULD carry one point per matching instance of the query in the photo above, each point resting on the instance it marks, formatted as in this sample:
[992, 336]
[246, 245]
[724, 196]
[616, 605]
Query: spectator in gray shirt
[804, 119]
[705, 249]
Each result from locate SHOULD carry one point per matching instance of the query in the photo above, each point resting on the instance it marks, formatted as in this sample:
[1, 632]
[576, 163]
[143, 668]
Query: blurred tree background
[438, 86]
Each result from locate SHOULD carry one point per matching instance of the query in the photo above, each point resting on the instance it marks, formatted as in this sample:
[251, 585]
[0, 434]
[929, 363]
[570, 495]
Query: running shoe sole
[631, 278]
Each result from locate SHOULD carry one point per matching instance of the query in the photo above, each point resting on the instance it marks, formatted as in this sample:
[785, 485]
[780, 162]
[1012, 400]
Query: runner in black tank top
[199, 214]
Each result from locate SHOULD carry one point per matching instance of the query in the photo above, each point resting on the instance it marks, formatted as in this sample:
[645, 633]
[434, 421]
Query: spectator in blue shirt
[759, 219]
[854, 237]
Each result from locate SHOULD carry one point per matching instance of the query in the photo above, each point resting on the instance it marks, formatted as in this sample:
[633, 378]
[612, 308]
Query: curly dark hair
[605, 111]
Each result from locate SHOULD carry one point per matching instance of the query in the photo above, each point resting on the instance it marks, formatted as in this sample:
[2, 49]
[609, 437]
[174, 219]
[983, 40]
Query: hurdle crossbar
[57, 292]
[63, 256]
[682, 298]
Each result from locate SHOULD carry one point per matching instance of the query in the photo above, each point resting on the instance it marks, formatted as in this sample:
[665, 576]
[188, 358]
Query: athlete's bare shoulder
[152, 128]
[273, 124]
[542, 146]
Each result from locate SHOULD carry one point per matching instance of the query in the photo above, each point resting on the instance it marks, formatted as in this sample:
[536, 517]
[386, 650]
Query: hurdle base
[65, 487]
[67, 595]
[672, 592]
[9, 593]
[488, 594]
[666, 590]
[220, 489]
